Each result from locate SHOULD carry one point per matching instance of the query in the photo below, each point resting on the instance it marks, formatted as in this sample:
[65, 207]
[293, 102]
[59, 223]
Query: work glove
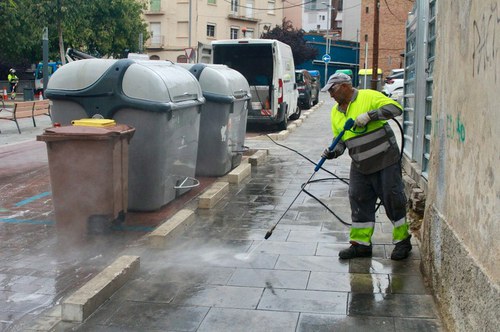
[362, 120]
[336, 152]
[327, 154]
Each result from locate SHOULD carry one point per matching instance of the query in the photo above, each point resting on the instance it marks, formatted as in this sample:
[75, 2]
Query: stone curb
[239, 173]
[82, 303]
[258, 158]
[169, 228]
[213, 195]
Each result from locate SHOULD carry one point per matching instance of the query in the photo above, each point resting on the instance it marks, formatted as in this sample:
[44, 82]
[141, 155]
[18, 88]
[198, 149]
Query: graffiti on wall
[452, 125]
[455, 129]
[486, 33]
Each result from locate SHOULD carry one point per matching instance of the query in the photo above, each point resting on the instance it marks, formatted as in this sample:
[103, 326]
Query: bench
[41, 107]
[25, 109]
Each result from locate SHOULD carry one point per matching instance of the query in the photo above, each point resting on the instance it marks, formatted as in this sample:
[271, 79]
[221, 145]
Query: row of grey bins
[190, 120]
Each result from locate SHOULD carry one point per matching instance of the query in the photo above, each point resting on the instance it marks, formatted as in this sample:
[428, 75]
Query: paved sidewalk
[221, 275]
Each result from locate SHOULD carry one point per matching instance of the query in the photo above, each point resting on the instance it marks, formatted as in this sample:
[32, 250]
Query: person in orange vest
[13, 80]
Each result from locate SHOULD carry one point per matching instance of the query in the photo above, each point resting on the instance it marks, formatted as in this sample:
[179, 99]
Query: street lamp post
[189, 27]
[45, 55]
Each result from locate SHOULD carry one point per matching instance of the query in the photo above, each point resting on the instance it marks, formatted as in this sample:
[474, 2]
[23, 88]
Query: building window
[249, 8]
[156, 37]
[249, 33]
[233, 34]
[211, 30]
[234, 6]
[212, 2]
[155, 5]
[270, 7]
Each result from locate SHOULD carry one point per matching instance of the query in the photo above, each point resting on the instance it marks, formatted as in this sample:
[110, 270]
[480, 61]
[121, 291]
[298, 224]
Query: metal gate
[418, 86]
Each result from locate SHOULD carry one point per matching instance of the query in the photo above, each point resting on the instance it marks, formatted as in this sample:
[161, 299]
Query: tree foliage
[287, 34]
[104, 28]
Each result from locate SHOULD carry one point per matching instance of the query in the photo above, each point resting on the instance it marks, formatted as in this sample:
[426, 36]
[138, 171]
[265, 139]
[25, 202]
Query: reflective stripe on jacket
[376, 148]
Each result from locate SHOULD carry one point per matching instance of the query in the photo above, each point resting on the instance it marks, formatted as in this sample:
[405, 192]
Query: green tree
[287, 34]
[102, 28]
[17, 30]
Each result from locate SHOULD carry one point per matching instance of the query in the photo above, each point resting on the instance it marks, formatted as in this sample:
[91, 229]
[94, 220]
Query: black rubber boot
[402, 249]
[356, 250]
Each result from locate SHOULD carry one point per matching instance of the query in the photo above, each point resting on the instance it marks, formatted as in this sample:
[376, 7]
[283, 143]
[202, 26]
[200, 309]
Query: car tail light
[280, 91]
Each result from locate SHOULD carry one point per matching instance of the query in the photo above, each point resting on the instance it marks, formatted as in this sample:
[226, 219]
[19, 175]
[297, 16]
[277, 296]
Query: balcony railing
[236, 16]
[155, 42]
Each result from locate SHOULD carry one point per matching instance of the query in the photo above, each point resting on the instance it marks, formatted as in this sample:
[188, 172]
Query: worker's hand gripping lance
[348, 125]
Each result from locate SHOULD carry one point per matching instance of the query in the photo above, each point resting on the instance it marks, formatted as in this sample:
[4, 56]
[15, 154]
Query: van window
[253, 61]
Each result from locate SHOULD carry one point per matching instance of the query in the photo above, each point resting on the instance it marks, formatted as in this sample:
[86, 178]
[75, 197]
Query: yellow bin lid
[94, 122]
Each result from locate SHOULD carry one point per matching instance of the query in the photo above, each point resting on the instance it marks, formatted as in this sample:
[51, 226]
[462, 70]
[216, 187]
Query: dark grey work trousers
[386, 184]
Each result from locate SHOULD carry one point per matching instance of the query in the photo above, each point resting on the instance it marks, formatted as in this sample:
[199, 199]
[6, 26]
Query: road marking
[26, 221]
[31, 199]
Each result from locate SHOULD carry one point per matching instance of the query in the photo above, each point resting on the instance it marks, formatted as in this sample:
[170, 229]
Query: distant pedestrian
[13, 81]
[375, 167]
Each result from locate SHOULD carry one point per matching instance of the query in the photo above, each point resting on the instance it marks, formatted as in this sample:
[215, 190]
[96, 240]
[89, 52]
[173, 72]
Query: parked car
[394, 84]
[307, 93]
[316, 83]
[395, 73]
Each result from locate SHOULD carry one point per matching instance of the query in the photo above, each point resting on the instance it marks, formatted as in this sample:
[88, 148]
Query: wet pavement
[219, 274]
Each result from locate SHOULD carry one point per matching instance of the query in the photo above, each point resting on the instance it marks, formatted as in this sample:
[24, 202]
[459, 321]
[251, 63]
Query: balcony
[238, 17]
[155, 43]
[154, 8]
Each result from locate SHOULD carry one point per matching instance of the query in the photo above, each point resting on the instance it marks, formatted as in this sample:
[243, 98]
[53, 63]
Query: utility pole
[375, 45]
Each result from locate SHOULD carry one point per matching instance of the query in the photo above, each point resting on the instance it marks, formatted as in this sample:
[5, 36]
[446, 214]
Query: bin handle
[244, 149]
[195, 184]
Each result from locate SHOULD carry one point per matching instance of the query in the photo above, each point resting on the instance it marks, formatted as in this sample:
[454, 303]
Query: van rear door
[255, 62]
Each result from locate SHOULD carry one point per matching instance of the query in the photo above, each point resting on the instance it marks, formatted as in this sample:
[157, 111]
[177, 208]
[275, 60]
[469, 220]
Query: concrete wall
[461, 230]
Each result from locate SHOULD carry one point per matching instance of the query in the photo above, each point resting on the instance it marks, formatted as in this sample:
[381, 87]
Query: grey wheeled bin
[223, 118]
[161, 100]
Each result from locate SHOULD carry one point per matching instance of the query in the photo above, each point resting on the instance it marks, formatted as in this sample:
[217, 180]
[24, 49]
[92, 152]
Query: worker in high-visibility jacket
[13, 80]
[375, 167]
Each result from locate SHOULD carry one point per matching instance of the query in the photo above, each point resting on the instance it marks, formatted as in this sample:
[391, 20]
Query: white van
[268, 66]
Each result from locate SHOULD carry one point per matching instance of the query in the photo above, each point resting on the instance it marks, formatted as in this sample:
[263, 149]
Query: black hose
[335, 177]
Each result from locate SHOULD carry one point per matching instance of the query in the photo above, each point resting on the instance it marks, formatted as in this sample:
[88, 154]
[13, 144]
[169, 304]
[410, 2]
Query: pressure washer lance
[348, 125]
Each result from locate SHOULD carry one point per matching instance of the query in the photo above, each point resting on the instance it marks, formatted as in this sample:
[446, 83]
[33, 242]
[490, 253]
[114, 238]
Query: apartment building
[182, 30]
